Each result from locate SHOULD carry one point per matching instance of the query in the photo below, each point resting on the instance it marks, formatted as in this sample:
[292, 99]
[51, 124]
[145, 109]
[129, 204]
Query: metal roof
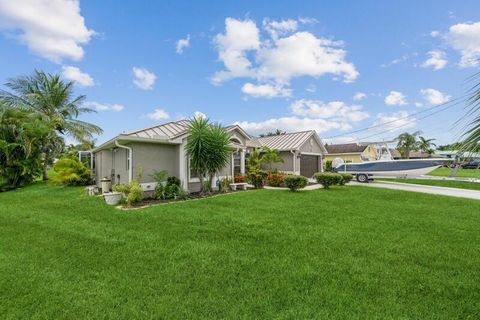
[287, 141]
[170, 130]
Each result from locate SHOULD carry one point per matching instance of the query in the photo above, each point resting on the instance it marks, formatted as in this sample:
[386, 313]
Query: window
[192, 173]
[236, 163]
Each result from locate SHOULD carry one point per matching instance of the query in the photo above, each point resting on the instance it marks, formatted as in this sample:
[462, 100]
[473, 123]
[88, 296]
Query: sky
[337, 67]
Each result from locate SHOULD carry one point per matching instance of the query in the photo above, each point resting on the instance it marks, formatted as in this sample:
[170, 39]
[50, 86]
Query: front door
[308, 165]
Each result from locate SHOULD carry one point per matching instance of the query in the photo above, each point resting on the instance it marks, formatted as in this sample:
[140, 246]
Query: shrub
[328, 166]
[256, 176]
[159, 175]
[294, 182]
[275, 179]
[239, 179]
[346, 178]
[71, 172]
[224, 184]
[174, 180]
[171, 190]
[328, 179]
[132, 191]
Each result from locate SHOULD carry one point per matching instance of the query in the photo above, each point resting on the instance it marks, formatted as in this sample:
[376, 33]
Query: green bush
[346, 178]
[171, 190]
[224, 184]
[328, 179]
[328, 166]
[132, 191]
[256, 176]
[275, 179]
[294, 182]
[71, 172]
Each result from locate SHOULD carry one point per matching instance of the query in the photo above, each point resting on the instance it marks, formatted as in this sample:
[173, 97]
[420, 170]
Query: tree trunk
[202, 182]
[45, 166]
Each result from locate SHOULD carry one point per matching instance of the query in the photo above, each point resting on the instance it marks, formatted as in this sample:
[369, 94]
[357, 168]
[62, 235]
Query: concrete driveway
[444, 191]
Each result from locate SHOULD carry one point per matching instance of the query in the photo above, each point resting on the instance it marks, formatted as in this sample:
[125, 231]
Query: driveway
[444, 191]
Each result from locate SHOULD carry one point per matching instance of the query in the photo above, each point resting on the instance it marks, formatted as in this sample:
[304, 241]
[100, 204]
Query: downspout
[130, 162]
[294, 161]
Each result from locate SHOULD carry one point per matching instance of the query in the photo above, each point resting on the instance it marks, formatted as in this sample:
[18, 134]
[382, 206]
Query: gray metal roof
[170, 130]
[287, 141]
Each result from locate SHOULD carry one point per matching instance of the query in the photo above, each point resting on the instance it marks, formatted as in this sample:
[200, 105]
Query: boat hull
[392, 168]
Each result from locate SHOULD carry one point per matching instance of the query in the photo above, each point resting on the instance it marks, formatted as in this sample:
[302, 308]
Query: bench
[240, 185]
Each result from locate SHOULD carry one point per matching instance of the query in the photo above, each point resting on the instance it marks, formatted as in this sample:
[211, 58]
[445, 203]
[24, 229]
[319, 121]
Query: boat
[365, 171]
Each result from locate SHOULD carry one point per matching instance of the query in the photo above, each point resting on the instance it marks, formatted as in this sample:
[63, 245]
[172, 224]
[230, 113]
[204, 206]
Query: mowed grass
[437, 183]
[350, 252]
[461, 173]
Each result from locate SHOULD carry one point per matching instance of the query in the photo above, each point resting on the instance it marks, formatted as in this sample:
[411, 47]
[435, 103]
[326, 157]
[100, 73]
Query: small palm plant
[270, 156]
[426, 145]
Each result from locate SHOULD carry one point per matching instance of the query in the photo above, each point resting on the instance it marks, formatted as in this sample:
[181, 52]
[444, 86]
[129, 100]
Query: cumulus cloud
[104, 106]
[434, 97]
[54, 30]
[143, 78]
[75, 74]
[158, 114]
[437, 60]
[335, 110]
[290, 124]
[359, 96]
[395, 98]
[182, 44]
[265, 90]
[283, 55]
[465, 38]
[199, 114]
[395, 121]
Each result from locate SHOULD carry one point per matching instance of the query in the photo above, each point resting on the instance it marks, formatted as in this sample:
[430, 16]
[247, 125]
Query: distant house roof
[287, 141]
[413, 154]
[346, 148]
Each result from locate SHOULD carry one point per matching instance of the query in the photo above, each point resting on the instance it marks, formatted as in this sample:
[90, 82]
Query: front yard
[461, 173]
[351, 252]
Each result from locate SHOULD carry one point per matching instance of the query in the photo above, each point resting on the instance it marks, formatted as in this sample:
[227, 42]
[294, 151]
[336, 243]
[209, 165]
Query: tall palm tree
[53, 99]
[426, 145]
[471, 137]
[407, 142]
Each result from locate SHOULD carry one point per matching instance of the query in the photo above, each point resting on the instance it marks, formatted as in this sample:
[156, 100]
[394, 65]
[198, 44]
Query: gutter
[130, 162]
[294, 153]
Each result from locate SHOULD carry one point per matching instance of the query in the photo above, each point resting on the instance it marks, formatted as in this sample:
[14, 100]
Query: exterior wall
[153, 157]
[109, 159]
[370, 153]
[119, 163]
[311, 145]
[286, 165]
[353, 157]
[103, 165]
[237, 135]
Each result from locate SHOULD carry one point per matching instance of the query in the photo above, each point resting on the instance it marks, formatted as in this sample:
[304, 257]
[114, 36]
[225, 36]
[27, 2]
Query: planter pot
[112, 198]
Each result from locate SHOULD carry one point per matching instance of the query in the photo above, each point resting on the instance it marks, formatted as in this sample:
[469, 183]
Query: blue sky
[263, 64]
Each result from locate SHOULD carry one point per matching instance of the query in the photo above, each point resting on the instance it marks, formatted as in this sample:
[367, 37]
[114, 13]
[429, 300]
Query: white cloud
[437, 60]
[434, 33]
[434, 97]
[104, 106]
[54, 30]
[158, 114]
[266, 90]
[143, 78]
[465, 38]
[311, 88]
[199, 114]
[75, 74]
[182, 44]
[418, 104]
[281, 56]
[291, 124]
[396, 121]
[359, 96]
[335, 110]
[395, 98]
[279, 28]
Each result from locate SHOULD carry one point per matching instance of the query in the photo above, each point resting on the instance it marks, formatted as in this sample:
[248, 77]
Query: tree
[407, 142]
[53, 99]
[426, 145]
[277, 132]
[208, 148]
[471, 137]
[270, 156]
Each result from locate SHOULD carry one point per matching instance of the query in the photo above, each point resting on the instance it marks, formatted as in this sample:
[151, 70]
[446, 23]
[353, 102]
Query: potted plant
[112, 198]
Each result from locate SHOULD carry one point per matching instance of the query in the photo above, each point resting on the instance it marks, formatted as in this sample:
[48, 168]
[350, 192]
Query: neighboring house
[351, 152]
[162, 147]
[413, 154]
[457, 155]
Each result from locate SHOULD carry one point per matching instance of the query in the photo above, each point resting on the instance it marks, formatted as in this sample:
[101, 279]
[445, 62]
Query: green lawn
[461, 173]
[351, 252]
[438, 183]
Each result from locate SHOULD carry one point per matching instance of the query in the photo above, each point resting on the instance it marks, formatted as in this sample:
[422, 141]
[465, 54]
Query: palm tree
[52, 98]
[471, 137]
[426, 145]
[270, 156]
[208, 147]
[407, 142]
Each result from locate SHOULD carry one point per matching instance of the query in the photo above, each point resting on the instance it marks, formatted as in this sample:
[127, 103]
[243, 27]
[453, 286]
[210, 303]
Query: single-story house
[162, 147]
[457, 155]
[351, 152]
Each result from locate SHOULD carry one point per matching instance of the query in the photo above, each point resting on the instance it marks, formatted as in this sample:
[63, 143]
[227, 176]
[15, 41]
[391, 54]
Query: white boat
[390, 168]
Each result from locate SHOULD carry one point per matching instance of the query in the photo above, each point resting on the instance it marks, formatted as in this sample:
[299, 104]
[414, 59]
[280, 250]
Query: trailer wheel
[362, 177]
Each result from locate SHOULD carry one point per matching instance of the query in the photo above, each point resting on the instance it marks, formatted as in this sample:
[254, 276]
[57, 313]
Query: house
[351, 152]
[457, 155]
[162, 147]
[413, 154]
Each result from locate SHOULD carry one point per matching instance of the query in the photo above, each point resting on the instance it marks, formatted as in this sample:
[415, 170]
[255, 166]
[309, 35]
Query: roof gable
[287, 141]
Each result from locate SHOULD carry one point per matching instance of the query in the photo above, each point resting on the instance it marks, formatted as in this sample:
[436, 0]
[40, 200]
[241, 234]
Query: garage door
[308, 165]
